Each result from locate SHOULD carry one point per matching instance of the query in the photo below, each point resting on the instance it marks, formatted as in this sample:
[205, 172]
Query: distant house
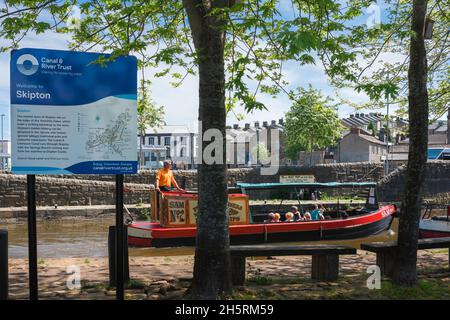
[174, 142]
[438, 133]
[358, 145]
[363, 120]
[377, 122]
[243, 143]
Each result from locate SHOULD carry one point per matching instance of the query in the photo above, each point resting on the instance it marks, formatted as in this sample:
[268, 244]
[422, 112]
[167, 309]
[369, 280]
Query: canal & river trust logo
[27, 64]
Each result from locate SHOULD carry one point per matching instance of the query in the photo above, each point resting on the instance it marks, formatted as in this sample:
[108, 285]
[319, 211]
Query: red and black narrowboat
[176, 213]
[436, 226]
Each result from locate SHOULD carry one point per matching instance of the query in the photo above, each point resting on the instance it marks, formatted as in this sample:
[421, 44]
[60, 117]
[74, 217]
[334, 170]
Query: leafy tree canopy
[311, 123]
[148, 114]
[261, 35]
[381, 69]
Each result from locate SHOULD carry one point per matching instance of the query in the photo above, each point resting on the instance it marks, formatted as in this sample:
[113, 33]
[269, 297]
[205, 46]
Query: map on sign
[113, 138]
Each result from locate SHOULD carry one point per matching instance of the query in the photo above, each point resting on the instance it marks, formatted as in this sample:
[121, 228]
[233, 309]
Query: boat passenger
[307, 216]
[271, 217]
[297, 215]
[277, 217]
[324, 212]
[165, 179]
[289, 217]
[316, 214]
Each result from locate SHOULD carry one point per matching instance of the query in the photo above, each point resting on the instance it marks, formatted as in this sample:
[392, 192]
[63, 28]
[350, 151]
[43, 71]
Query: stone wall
[437, 181]
[99, 189]
[66, 192]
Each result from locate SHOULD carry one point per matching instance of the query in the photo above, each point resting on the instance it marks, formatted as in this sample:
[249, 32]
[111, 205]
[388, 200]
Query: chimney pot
[235, 126]
[257, 124]
[247, 126]
[281, 121]
[355, 130]
[273, 122]
[265, 123]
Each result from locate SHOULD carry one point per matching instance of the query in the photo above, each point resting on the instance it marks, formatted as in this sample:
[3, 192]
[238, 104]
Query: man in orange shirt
[165, 179]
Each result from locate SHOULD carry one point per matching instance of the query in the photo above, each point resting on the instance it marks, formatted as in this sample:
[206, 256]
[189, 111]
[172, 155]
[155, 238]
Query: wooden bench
[325, 258]
[386, 251]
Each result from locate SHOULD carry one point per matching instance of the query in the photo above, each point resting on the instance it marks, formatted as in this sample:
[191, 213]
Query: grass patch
[136, 284]
[426, 289]
[128, 296]
[345, 289]
[443, 250]
[260, 280]
[94, 285]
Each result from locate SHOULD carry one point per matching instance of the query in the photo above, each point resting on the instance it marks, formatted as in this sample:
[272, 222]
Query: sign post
[73, 113]
[119, 238]
[32, 237]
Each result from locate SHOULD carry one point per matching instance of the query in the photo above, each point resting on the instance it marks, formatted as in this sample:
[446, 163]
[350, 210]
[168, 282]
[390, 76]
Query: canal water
[79, 238]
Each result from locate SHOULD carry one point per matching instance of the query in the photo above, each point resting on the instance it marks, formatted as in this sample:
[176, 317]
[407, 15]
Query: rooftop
[169, 129]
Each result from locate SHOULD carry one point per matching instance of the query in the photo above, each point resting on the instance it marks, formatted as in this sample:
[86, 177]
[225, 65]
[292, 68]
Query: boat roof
[435, 153]
[312, 185]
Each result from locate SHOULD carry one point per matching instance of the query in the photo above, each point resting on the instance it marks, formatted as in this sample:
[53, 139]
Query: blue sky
[181, 104]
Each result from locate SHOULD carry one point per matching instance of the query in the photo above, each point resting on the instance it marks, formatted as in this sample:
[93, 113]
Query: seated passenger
[270, 217]
[323, 212]
[316, 214]
[289, 217]
[307, 216]
[296, 213]
[277, 217]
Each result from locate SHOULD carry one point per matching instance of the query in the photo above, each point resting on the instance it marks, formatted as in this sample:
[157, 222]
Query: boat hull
[153, 235]
[429, 228]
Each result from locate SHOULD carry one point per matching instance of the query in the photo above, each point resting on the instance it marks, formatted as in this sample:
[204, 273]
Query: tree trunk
[405, 272]
[212, 272]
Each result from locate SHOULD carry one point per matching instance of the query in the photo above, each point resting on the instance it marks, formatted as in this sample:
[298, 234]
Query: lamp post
[3, 142]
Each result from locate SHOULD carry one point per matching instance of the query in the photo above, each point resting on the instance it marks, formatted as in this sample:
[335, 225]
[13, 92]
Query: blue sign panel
[71, 114]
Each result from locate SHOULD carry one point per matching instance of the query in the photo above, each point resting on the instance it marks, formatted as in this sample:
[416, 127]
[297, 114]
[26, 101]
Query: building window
[151, 141]
[167, 141]
[153, 157]
[182, 152]
[183, 140]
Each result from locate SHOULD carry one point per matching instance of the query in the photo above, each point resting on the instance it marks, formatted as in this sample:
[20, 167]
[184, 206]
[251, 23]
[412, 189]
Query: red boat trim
[144, 242]
[433, 234]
